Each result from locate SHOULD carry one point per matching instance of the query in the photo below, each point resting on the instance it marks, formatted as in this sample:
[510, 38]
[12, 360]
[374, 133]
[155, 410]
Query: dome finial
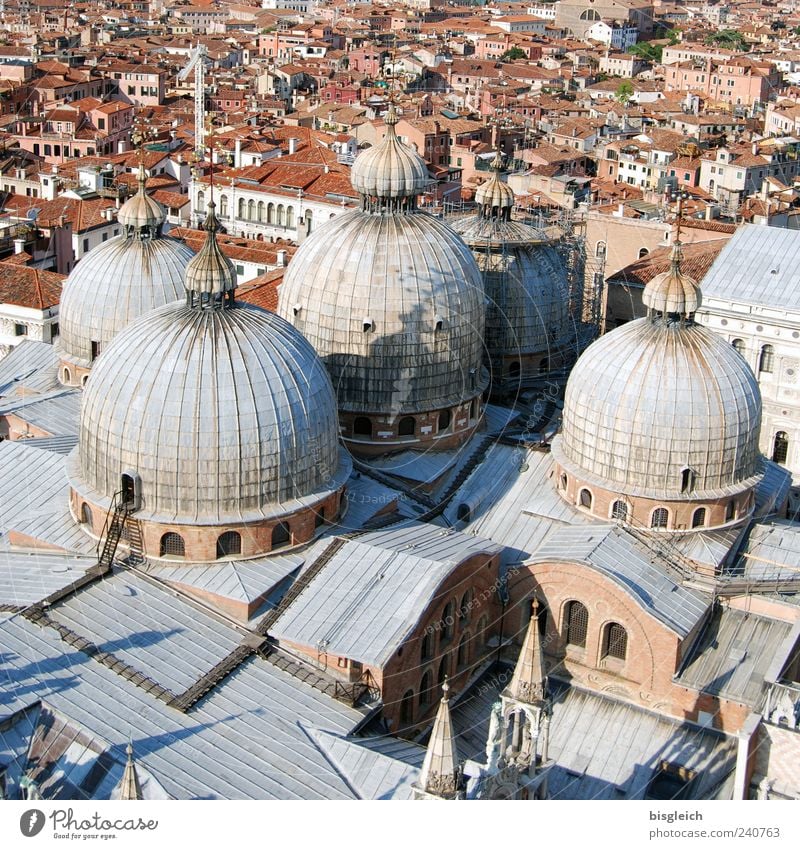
[495, 199]
[391, 175]
[210, 275]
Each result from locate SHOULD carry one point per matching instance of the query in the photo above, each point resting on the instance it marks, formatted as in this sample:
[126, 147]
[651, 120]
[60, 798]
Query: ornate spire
[129, 787]
[529, 683]
[391, 175]
[210, 275]
[141, 216]
[672, 294]
[495, 199]
[440, 772]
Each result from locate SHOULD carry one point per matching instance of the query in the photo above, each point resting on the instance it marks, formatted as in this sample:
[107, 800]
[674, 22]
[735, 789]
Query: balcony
[782, 706]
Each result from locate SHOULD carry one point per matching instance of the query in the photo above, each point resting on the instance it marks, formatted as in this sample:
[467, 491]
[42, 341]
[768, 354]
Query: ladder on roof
[115, 522]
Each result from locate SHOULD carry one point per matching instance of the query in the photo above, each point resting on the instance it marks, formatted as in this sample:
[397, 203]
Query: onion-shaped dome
[118, 281]
[662, 407]
[394, 305]
[391, 169]
[672, 292]
[141, 215]
[210, 272]
[222, 410]
[493, 196]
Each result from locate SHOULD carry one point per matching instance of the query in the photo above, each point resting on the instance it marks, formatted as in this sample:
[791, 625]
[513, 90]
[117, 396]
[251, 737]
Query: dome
[527, 298]
[114, 284]
[210, 271]
[672, 292]
[225, 415]
[391, 169]
[394, 305]
[653, 399]
[141, 212]
[494, 193]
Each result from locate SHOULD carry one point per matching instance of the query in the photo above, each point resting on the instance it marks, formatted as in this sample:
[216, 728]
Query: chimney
[292, 146]
[754, 148]
[281, 254]
[19, 246]
[237, 154]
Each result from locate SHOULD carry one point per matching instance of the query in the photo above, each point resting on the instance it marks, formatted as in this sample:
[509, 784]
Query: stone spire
[440, 772]
[529, 683]
[129, 787]
[210, 275]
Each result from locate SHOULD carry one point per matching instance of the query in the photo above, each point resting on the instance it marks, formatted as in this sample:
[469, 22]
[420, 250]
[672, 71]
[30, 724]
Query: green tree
[730, 39]
[624, 92]
[512, 54]
[647, 50]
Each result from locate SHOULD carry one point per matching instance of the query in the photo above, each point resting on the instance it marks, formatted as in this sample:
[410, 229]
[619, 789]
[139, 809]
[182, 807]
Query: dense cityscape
[399, 400]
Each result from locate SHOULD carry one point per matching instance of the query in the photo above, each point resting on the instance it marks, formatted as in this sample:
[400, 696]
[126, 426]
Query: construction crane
[197, 63]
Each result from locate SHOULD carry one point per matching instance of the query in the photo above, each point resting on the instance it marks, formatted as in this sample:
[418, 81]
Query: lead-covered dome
[226, 415]
[663, 408]
[116, 282]
[394, 306]
[220, 411]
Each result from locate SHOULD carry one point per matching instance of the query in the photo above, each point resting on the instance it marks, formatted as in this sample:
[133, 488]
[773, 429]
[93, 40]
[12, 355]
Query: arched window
[730, 511]
[444, 669]
[407, 708]
[590, 15]
[766, 361]
[407, 426]
[563, 481]
[261, 211]
[615, 641]
[426, 649]
[463, 514]
[290, 216]
[585, 498]
[172, 545]
[738, 346]
[281, 215]
[687, 480]
[482, 634]
[271, 213]
[251, 210]
[780, 448]
[223, 206]
[426, 689]
[600, 249]
[281, 535]
[465, 608]
[229, 543]
[619, 511]
[643, 252]
[514, 369]
[699, 517]
[309, 222]
[67, 375]
[448, 620]
[242, 207]
[576, 624]
[362, 426]
[444, 420]
[86, 515]
[201, 201]
[660, 518]
[84, 379]
[462, 655]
